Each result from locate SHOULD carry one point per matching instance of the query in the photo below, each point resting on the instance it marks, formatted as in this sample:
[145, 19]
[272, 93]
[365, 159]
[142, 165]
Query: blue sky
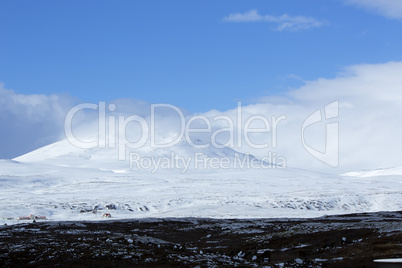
[184, 52]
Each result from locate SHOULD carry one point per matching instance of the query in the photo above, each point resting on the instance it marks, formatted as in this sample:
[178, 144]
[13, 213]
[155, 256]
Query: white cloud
[370, 97]
[29, 121]
[389, 8]
[284, 22]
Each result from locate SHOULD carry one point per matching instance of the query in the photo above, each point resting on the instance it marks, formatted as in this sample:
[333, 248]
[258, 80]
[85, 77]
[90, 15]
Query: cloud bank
[369, 97]
[29, 121]
[284, 22]
[389, 8]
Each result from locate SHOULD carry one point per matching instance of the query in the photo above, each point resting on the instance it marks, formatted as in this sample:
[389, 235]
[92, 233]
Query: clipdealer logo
[113, 132]
[330, 155]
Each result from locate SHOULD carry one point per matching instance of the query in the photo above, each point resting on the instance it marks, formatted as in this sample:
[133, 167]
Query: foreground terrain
[334, 241]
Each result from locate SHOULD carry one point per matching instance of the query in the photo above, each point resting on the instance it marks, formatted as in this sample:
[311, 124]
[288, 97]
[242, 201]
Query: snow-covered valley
[62, 182]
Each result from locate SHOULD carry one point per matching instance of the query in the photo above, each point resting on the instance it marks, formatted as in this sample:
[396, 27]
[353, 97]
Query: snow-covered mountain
[63, 182]
[179, 157]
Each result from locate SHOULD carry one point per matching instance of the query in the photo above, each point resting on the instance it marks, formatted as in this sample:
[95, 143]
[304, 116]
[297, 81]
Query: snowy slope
[376, 172]
[63, 153]
[63, 182]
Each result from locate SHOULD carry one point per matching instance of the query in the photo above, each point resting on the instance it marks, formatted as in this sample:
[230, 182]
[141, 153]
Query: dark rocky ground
[335, 241]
